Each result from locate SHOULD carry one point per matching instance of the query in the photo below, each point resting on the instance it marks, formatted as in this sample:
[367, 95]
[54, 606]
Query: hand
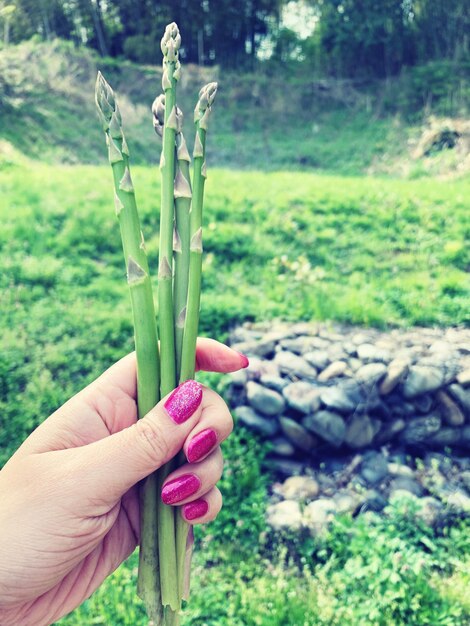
[69, 512]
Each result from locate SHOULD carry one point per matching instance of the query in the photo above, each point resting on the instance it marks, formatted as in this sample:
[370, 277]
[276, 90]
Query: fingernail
[245, 361]
[200, 445]
[195, 509]
[183, 401]
[180, 488]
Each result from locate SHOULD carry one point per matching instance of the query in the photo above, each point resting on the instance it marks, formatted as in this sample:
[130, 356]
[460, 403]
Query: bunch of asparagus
[166, 542]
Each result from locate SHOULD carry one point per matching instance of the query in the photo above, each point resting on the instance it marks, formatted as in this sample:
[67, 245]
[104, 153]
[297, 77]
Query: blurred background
[338, 190]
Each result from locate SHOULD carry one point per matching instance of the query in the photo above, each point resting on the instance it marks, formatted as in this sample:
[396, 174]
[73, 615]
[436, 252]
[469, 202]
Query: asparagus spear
[201, 117]
[170, 45]
[145, 330]
[182, 195]
[191, 324]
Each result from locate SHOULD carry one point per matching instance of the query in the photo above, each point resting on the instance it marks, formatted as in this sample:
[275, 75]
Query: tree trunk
[99, 26]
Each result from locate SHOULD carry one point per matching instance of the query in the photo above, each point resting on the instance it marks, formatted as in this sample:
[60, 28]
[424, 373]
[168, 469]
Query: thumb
[111, 466]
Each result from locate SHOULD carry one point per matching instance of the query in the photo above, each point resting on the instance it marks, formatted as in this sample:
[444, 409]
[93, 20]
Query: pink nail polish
[180, 488]
[200, 445]
[183, 401]
[244, 359]
[195, 509]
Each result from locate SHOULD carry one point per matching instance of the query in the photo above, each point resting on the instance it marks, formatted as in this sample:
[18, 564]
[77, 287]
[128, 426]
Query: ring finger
[193, 480]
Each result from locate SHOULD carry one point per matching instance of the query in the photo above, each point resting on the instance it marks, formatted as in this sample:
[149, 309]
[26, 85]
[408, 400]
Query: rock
[238, 379]
[286, 467]
[368, 352]
[346, 502]
[266, 401]
[451, 369]
[305, 328]
[319, 344]
[420, 429]
[374, 467]
[254, 369]
[262, 347]
[441, 347]
[450, 410]
[396, 372]
[397, 469]
[294, 365]
[344, 397]
[461, 395]
[273, 382]
[297, 434]
[465, 436]
[264, 425]
[374, 501]
[361, 431]
[430, 511]
[302, 396]
[422, 379]
[446, 437]
[299, 488]
[381, 409]
[404, 483]
[327, 425]
[389, 430]
[282, 447]
[319, 359]
[460, 501]
[297, 345]
[402, 408]
[423, 404]
[285, 515]
[465, 479]
[359, 338]
[354, 364]
[318, 514]
[371, 373]
[463, 378]
[349, 348]
[337, 368]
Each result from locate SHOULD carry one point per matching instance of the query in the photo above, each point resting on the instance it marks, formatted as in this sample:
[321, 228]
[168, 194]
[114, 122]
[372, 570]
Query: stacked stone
[312, 389]
[435, 489]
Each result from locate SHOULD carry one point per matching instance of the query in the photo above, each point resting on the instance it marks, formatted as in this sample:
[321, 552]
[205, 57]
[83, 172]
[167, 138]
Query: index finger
[211, 356]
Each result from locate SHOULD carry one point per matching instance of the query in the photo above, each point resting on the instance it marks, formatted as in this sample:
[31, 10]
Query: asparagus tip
[158, 111]
[171, 42]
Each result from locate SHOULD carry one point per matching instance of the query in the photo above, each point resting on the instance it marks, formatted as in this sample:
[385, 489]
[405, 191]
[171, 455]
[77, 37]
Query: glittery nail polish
[244, 359]
[195, 509]
[180, 488]
[200, 445]
[183, 401]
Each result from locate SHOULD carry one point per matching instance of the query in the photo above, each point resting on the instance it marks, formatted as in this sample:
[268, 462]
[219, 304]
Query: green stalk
[145, 330]
[181, 243]
[188, 357]
[170, 44]
[201, 116]
[182, 196]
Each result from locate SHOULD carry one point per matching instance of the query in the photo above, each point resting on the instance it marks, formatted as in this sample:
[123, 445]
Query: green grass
[280, 244]
[290, 245]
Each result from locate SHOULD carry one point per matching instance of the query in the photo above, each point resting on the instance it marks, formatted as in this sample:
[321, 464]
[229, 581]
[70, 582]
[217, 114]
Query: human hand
[69, 510]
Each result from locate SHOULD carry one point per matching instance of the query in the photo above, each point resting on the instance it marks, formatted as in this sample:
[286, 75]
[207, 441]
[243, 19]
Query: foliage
[374, 571]
[352, 37]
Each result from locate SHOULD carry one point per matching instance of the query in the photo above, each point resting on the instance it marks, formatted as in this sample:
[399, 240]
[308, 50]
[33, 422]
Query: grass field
[280, 244]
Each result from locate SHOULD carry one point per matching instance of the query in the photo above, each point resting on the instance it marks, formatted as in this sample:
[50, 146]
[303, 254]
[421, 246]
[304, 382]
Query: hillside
[264, 122]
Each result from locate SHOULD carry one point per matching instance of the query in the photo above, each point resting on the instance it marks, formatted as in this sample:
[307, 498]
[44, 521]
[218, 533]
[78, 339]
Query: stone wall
[314, 389]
